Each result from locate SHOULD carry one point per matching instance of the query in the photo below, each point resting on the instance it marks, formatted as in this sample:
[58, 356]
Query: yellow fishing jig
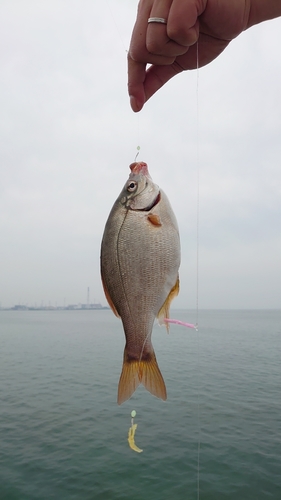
[131, 434]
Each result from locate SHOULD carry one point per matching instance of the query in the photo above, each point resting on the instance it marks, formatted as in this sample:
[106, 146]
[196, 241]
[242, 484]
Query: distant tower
[88, 296]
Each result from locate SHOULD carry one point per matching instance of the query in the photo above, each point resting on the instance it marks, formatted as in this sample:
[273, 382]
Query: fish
[140, 259]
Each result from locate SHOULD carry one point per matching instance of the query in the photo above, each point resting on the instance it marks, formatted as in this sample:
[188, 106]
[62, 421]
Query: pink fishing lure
[183, 323]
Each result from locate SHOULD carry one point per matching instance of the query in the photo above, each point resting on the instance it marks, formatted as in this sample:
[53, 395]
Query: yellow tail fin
[144, 372]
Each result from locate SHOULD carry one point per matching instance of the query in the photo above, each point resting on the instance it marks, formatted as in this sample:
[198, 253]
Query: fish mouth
[151, 205]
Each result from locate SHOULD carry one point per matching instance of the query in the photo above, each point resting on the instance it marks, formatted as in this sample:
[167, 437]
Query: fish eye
[132, 186]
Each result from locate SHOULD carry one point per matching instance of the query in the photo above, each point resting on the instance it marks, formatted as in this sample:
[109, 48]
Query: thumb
[136, 78]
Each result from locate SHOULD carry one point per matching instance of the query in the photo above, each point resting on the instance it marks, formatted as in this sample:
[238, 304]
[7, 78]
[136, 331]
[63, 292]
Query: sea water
[63, 436]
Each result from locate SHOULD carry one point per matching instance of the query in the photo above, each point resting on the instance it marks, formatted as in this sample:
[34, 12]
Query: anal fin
[164, 311]
[108, 298]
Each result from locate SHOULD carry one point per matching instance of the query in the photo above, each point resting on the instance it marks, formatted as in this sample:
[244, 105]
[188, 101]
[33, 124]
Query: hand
[171, 48]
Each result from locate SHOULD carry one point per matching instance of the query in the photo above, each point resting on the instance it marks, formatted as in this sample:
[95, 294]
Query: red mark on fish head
[139, 167]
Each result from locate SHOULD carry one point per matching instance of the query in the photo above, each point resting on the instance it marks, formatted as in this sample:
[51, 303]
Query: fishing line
[138, 147]
[126, 50]
[166, 320]
[137, 153]
[116, 27]
[197, 269]
[198, 184]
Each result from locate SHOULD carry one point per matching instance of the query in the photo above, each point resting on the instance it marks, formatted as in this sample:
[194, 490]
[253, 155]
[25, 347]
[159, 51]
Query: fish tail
[144, 372]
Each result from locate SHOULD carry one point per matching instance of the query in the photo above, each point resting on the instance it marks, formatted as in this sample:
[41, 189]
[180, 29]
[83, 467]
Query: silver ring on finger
[160, 20]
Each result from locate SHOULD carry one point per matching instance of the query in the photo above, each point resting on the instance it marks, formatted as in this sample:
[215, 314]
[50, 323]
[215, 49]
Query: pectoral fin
[155, 220]
[165, 309]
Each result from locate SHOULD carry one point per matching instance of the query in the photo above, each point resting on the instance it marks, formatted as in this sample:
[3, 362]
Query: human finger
[183, 23]
[158, 40]
[136, 78]
[182, 29]
[138, 49]
[207, 50]
[157, 76]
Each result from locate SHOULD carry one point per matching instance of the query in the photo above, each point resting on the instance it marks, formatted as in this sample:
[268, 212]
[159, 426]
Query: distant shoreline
[54, 308]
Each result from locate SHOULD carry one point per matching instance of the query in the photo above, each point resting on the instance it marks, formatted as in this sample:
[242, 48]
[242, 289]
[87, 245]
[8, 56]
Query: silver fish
[140, 258]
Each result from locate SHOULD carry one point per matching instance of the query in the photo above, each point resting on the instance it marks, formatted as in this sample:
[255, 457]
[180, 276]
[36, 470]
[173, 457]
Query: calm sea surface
[62, 435]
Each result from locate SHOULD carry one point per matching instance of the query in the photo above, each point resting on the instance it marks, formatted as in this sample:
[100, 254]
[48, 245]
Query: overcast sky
[68, 135]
